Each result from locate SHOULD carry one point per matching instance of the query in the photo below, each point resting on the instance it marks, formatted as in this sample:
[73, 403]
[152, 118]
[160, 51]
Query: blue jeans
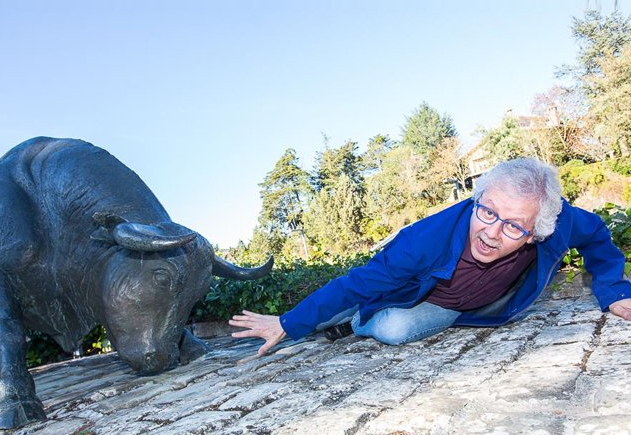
[403, 325]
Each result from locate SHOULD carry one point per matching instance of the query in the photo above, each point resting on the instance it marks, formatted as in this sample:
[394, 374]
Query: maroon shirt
[475, 284]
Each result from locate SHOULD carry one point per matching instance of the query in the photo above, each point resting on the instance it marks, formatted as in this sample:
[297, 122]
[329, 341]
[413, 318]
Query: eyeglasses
[509, 228]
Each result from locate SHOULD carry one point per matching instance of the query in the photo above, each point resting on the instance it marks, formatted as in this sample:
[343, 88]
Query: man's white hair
[531, 179]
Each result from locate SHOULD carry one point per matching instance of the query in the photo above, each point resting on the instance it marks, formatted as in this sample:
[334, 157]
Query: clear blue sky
[201, 98]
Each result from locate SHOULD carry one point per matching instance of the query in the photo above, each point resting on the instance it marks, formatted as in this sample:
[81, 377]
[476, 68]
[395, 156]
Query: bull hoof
[18, 414]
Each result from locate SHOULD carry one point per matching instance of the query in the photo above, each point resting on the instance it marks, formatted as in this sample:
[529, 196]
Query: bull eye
[162, 278]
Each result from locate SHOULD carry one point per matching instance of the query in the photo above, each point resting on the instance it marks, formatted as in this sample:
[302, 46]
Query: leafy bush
[577, 177]
[626, 193]
[621, 166]
[618, 221]
[43, 349]
[275, 293]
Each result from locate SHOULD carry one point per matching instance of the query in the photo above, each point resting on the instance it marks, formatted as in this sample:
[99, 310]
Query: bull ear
[152, 238]
[106, 222]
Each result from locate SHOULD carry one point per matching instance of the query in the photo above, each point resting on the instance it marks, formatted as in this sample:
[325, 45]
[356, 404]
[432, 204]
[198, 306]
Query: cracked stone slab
[334, 421]
[204, 422]
[252, 397]
[280, 412]
[616, 331]
[565, 334]
[612, 424]
[563, 370]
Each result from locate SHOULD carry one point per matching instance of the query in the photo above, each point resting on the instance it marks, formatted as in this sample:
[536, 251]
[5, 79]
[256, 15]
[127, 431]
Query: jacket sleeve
[388, 270]
[602, 258]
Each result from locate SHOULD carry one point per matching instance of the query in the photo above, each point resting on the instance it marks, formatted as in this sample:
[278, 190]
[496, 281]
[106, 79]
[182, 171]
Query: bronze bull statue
[84, 242]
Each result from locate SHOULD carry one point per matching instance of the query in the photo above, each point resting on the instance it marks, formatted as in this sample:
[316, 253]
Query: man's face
[488, 242]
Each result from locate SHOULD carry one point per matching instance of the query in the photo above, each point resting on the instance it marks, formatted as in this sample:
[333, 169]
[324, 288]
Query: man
[480, 262]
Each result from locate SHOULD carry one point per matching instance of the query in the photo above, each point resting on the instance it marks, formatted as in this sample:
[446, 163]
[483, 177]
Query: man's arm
[391, 270]
[385, 271]
[603, 260]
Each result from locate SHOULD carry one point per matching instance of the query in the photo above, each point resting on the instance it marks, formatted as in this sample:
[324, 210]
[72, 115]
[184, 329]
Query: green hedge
[618, 221]
[42, 349]
[281, 290]
[577, 177]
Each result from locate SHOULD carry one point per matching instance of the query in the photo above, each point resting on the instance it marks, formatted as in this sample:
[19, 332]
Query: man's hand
[258, 325]
[622, 308]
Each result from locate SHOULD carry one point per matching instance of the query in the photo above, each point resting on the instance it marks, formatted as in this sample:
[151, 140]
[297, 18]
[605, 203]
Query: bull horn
[225, 269]
[152, 238]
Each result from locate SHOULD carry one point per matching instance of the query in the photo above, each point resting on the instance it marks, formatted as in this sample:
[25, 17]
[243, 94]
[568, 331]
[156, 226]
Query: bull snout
[152, 363]
[155, 363]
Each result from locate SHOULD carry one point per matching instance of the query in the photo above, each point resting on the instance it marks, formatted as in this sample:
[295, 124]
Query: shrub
[43, 349]
[621, 166]
[275, 293]
[576, 177]
[618, 221]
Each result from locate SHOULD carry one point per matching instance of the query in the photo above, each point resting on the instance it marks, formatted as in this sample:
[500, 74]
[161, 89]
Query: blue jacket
[409, 266]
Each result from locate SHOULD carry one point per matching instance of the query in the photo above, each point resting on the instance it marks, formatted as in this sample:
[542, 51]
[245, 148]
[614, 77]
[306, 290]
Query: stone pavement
[566, 369]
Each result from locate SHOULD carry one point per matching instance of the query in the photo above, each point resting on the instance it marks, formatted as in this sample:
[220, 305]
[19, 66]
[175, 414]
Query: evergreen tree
[285, 192]
[331, 164]
[600, 77]
[610, 106]
[333, 221]
[377, 148]
[335, 216]
[505, 142]
[425, 129]
[597, 36]
[395, 194]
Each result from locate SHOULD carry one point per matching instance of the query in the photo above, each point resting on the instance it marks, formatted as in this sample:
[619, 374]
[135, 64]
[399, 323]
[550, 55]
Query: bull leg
[19, 404]
[191, 347]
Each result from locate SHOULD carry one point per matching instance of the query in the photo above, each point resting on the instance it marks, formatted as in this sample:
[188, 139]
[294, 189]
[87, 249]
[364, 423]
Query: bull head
[150, 286]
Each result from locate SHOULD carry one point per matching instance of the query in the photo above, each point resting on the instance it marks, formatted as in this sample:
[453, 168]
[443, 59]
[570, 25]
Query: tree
[285, 192]
[602, 40]
[331, 164]
[558, 137]
[335, 216]
[447, 167]
[377, 148]
[425, 129]
[394, 195]
[265, 241]
[504, 142]
[597, 36]
[610, 105]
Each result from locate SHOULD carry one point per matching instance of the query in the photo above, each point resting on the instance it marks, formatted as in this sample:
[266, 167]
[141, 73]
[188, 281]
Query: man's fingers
[263, 349]
[237, 317]
[267, 346]
[243, 323]
[623, 312]
[246, 333]
[252, 314]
